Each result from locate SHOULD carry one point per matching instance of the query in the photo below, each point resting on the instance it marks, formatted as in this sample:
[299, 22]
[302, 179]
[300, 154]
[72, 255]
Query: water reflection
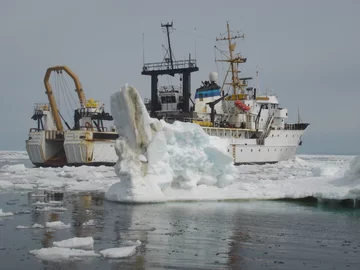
[177, 235]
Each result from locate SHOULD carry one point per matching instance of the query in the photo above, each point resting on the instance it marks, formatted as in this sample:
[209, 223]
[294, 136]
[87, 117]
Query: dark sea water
[206, 235]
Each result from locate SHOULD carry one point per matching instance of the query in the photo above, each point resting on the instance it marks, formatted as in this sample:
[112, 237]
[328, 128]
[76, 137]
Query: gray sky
[307, 51]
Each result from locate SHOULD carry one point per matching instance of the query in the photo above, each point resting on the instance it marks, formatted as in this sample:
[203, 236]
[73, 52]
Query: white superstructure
[253, 124]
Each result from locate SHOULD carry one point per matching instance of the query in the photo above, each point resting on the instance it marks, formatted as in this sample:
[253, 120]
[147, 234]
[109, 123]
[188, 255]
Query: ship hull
[83, 148]
[279, 145]
[45, 148]
[75, 148]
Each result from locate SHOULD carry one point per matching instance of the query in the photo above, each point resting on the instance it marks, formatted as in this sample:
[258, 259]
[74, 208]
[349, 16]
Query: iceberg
[154, 156]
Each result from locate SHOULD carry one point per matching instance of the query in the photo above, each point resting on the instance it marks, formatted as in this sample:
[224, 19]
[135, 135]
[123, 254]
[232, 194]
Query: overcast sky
[306, 51]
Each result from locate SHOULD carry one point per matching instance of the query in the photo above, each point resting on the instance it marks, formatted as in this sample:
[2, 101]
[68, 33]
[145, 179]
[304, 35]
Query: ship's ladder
[266, 131]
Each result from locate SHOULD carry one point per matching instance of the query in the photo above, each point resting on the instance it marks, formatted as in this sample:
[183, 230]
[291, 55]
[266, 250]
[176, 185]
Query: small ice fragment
[89, 223]
[37, 226]
[49, 208]
[5, 214]
[57, 225]
[76, 242]
[132, 243]
[22, 227]
[120, 252]
[61, 254]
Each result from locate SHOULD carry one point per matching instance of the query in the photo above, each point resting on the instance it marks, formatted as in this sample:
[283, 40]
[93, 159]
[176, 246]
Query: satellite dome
[213, 77]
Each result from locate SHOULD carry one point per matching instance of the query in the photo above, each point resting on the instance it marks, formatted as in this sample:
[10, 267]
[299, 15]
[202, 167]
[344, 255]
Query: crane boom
[51, 97]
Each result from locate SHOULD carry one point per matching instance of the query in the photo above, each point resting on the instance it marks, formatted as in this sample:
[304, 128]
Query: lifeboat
[241, 105]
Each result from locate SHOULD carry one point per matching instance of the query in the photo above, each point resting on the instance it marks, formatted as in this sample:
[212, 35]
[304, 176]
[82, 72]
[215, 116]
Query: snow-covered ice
[5, 214]
[162, 162]
[184, 163]
[120, 252]
[76, 242]
[61, 254]
[57, 225]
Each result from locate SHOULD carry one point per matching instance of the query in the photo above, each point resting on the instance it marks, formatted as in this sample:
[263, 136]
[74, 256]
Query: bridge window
[201, 97]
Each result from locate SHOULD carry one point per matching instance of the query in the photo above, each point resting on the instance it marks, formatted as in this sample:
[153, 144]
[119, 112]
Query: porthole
[274, 149]
[259, 150]
[241, 150]
[268, 150]
[251, 150]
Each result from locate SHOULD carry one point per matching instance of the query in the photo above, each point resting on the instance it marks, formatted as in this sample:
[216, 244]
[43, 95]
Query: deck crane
[51, 97]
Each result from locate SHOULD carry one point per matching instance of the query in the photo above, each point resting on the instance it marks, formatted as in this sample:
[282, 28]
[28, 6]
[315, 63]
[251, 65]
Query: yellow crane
[50, 94]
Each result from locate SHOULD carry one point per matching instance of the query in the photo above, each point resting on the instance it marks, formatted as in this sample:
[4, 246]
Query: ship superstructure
[253, 124]
[88, 142]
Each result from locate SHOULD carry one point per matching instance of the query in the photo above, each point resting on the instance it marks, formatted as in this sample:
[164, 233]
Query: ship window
[241, 150]
[251, 150]
[201, 97]
[268, 150]
[259, 150]
[274, 149]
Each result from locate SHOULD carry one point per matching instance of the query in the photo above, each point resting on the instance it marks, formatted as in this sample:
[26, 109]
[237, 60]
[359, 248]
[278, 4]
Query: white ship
[88, 142]
[254, 124]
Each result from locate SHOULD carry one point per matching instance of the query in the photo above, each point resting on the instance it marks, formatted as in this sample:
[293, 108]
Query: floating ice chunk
[49, 208]
[120, 252]
[132, 243]
[58, 225]
[22, 227]
[61, 254]
[5, 214]
[37, 226]
[89, 223]
[39, 203]
[76, 242]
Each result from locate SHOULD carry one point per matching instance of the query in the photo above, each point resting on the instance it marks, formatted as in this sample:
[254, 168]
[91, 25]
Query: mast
[234, 60]
[167, 26]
